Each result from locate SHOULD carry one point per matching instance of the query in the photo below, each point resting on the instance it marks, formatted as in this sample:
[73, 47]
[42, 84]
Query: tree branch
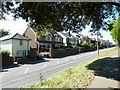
[113, 3]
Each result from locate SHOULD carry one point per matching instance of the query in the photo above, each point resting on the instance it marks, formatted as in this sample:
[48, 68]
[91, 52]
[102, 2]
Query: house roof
[55, 34]
[14, 36]
[65, 34]
[29, 28]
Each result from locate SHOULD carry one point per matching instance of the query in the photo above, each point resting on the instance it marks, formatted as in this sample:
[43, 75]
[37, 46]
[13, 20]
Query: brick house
[51, 40]
[43, 43]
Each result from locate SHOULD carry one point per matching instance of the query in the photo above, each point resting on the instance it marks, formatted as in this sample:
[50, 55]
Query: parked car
[39, 56]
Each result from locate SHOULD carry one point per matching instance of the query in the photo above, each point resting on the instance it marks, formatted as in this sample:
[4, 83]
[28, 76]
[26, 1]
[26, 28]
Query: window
[48, 38]
[58, 39]
[18, 53]
[21, 42]
[48, 46]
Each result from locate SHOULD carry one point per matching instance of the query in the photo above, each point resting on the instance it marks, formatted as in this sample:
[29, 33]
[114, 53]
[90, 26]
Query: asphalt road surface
[29, 73]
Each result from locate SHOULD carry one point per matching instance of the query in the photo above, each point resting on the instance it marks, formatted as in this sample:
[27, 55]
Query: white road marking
[67, 59]
[44, 65]
[70, 67]
[57, 62]
[26, 70]
[1, 75]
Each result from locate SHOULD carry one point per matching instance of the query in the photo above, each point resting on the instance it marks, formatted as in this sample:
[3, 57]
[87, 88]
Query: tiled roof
[15, 36]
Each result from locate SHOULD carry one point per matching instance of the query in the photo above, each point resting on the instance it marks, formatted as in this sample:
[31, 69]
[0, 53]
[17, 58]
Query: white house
[17, 44]
[65, 36]
[69, 37]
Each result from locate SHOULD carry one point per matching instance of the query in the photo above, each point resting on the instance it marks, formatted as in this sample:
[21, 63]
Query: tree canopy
[61, 16]
[115, 32]
[4, 32]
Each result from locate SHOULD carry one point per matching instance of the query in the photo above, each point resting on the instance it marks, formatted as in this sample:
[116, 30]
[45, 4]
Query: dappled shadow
[107, 67]
[11, 66]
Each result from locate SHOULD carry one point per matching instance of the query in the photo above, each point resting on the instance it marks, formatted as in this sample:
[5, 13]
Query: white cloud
[18, 26]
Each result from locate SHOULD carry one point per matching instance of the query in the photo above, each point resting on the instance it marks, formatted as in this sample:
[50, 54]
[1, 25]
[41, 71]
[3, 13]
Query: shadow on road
[107, 67]
[18, 65]
[11, 66]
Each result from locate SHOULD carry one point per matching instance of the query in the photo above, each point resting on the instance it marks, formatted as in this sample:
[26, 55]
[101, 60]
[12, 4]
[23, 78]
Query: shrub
[5, 53]
[76, 46]
[91, 45]
[56, 47]
[84, 44]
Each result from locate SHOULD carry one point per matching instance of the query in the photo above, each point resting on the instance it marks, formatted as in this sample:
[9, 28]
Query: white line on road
[57, 62]
[44, 65]
[67, 59]
[70, 67]
[26, 70]
[1, 75]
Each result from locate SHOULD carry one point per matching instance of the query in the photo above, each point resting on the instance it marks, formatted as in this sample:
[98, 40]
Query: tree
[4, 32]
[70, 16]
[115, 32]
[63, 15]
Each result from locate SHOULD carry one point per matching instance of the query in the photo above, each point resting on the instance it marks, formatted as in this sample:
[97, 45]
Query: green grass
[77, 77]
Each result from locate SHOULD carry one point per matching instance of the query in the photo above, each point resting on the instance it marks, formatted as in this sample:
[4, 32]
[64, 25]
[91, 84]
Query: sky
[20, 25]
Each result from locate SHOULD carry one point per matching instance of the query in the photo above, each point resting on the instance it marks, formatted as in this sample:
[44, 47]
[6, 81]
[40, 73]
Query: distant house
[17, 44]
[52, 39]
[57, 39]
[66, 37]
[75, 39]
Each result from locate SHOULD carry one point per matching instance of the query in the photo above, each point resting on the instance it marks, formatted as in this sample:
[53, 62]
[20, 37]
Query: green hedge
[5, 53]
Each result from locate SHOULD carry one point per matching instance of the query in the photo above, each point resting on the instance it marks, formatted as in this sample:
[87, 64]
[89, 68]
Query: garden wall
[7, 61]
[66, 52]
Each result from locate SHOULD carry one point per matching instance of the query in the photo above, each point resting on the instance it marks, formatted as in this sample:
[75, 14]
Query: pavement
[109, 76]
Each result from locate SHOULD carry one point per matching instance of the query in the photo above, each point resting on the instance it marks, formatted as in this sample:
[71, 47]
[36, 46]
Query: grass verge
[77, 77]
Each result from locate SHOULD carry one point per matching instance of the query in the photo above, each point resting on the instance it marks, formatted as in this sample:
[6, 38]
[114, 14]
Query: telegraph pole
[97, 45]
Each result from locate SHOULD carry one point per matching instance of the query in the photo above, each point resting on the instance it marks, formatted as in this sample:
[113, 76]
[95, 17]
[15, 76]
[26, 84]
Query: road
[28, 74]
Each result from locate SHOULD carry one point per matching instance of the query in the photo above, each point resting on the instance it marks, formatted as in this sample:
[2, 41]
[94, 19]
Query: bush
[91, 45]
[5, 53]
[84, 44]
[56, 47]
[76, 46]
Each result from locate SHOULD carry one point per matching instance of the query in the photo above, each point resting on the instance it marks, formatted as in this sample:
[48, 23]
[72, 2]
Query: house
[66, 37]
[75, 39]
[52, 39]
[43, 43]
[30, 33]
[57, 39]
[17, 44]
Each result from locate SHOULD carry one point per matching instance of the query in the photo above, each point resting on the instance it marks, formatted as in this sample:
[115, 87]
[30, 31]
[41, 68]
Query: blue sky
[20, 25]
